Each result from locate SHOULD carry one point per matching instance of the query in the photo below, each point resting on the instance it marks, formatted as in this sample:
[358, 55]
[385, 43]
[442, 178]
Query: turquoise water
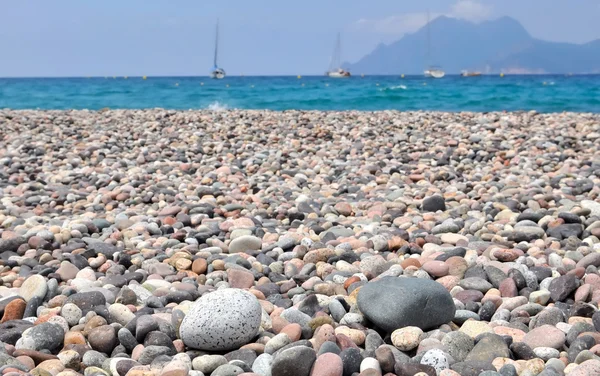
[552, 93]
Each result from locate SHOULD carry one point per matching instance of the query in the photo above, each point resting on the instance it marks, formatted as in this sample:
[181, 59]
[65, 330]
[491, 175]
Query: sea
[542, 93]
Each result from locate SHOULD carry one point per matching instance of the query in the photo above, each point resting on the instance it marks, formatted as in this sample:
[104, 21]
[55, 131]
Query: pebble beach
[299, 243]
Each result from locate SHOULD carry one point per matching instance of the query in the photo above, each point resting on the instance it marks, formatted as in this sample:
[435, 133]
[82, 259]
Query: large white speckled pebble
[221, 320]
[437, 359]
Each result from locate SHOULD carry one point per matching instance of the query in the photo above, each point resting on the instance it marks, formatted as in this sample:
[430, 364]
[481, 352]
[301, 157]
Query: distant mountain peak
[506, 19]
[490, 46]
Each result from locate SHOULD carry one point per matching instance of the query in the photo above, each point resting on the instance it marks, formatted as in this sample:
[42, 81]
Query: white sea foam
[217, 106]
[398, 87]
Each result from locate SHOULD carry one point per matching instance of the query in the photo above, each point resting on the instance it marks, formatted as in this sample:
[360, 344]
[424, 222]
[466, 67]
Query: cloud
[395, 24]
[470, 10]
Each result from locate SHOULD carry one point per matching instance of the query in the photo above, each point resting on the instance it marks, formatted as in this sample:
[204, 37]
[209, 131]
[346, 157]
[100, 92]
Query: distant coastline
[501, 45]
[507, 71]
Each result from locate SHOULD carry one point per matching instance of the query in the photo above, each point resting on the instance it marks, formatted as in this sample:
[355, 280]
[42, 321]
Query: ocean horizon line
[360, 75]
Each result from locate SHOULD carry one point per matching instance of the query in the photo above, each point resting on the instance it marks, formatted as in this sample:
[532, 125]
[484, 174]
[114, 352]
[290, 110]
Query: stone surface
[208, 363]
[45, 336]
[244, 243]
[328, 365]
[433, 204]
[545, 336]
[407, 338]
[490, 347]
[103, 339]
[221, 320]
[563, 286]
[393, 303]
[14, 310]
[436, 359]
[34, 286]
[458, 345]
[296, 361]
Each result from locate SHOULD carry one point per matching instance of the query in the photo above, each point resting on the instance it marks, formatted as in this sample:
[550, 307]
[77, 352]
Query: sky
[69, 38]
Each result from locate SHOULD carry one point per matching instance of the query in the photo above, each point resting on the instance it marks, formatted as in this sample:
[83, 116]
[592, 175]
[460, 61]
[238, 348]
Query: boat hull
[217, 74]
[343, 74]
[435, 73]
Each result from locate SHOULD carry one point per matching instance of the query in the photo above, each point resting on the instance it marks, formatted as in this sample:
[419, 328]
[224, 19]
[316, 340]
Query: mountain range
[501, 45]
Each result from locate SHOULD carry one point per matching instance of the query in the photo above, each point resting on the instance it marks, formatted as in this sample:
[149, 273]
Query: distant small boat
[335, 69]
[434, 72]
[340, 73]
[217, 73]
[470, 74]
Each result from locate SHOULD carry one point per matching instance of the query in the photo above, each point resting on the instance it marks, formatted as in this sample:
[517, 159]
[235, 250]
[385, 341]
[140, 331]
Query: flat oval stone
[393, 303]
[34, 286]
[545, 336]
[221, 320]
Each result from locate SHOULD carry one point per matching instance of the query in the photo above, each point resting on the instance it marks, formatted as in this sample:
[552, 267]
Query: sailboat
[216, 72]
[335, 68]
[467, 73]
[433, 70]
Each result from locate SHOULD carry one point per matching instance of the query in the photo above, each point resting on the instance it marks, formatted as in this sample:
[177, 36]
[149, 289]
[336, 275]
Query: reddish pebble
[328, 364]
[595, 349]
[169, 221]
[579, 272]
[294, 331]
[199, 266]
[344, 342]
[14, 310]
[436, 268]
[582, 293]
[74, 338]
[258, 348]
[350, 281]
[507, 255]
[240, 279]
[137, 351]
[508, 288]
[469, 296]
[26, 361]
[179, 346]
[410, 262]
[323, 334]
[278, 323]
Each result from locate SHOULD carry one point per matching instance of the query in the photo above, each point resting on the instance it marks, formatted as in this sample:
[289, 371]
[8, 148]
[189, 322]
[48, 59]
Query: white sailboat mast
[335, 57]
[428, 58]
[216, 45]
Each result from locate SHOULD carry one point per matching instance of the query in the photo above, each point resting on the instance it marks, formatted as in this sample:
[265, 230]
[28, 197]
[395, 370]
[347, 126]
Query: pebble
[393, 303]
[328, 364]
[222, 320]
[295, 361]
[208, 363]
[545, 336]
[33, 287]
[299, 243]
[407, 338]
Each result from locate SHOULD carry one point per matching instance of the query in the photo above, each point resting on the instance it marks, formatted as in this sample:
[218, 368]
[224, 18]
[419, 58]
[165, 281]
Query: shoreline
[231, 110]
[283, 225]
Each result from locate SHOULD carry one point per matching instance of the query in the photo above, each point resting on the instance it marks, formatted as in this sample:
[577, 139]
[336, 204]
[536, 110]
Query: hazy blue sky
[175, 37]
